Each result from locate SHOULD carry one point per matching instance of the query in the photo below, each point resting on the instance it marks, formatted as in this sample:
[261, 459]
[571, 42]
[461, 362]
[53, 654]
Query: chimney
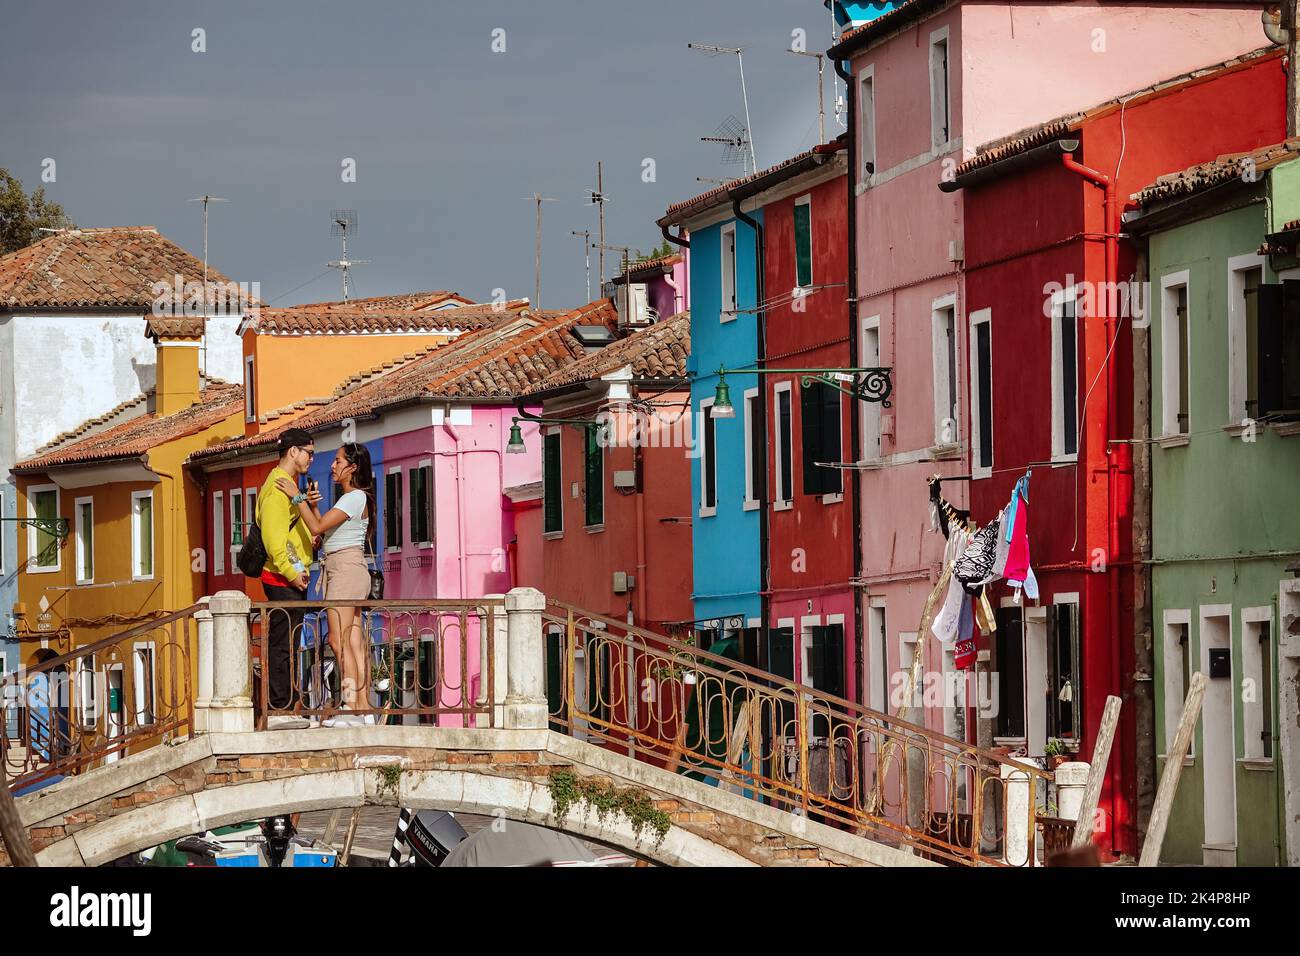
[177, 342]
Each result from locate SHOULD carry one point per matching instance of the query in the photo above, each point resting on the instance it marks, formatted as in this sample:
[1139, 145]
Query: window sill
[1256, 764]
[751, 505]
[1285, 429]
[948, 452]
[1063, 461]
[1174, 441]
[708, 512]
[31, 569]
[782, 505]
[869, 464]
[1234, 429]
[81, 583]
[552, 535]
[1188, 761]
[424, 545]
[142, 577]
[594, 528]
[724, 317]
[392, 550]
[833, 499]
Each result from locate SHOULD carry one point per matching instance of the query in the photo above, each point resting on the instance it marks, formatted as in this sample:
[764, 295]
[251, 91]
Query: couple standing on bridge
[292, 531]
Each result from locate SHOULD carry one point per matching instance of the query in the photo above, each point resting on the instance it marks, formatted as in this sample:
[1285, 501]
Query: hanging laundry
[974, 566]
[966, 652]
[1017, 535]
[945, 622]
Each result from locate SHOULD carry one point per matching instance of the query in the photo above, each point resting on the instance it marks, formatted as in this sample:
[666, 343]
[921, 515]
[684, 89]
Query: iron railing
[124, 692]
[430, 662]
[788, 745]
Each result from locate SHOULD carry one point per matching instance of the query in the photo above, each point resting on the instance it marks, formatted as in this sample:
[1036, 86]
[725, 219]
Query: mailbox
[1220, 662]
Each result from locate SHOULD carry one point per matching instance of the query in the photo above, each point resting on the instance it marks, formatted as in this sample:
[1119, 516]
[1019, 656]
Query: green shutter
[803, 244]
[594, 463]
[553, 520]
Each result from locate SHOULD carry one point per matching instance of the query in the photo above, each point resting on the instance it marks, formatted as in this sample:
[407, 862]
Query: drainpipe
[855, 412]
[642, 592]
[677, 292]
[760, 259]
[1113, 452]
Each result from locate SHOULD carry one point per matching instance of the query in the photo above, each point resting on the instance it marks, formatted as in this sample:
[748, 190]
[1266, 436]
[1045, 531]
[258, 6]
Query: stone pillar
[525, 704]
[1016, 840]
[231, 707]
[1071, 781]
[203, 695]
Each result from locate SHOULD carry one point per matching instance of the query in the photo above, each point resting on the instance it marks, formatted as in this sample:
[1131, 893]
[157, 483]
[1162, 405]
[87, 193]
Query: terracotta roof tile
[659, 351]
[137, 435]
[1224, 169]
[332, 320]
[899, 17]
[96, 268]
[403, 302]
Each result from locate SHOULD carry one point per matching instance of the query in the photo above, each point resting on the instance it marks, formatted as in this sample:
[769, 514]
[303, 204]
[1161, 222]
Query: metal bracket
[57, 528]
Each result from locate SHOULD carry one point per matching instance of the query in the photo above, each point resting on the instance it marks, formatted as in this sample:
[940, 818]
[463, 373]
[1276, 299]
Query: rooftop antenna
[596, 197]
[343, 222]
[709, 49]
[821, 85]
[585, 236]
[538, 198]
[736, 147]
[205, 199]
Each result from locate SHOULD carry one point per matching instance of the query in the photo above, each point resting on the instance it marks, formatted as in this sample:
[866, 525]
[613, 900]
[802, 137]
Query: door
[115, 709]
[1218, 737]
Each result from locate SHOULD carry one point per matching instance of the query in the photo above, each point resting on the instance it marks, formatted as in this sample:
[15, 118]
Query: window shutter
[1271, 310]
[810, 414]
[551, 483]
[832, 481]
[833, 659]
[803, 244]
[595, 478]
[780, 659]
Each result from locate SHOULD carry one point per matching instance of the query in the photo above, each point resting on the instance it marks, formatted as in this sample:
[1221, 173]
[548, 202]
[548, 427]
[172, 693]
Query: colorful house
[927, 82]
[1223, 342]
[652, 289]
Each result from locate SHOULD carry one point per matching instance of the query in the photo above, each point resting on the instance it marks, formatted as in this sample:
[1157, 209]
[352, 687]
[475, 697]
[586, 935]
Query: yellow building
[132, 549]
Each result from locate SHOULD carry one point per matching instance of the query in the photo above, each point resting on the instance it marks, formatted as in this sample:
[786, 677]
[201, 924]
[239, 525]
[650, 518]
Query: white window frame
[1058, 376]
[219, 539]
[804, 200]
[729, 301]
[1169, 381]
[877, 654]
[867, 146]
[137, 673]
[428, 484]
[980, 317]
[250, 388]
[752, 502]
[938, 309]
[236, 497]
[1238, 266]
[135, 537]
[707, 461]
[32, 566]
[389, 547]
[1175, 618]
[937, 138]
[1252, 668]
[872, 433]
[80, 537]
[780, 503]
[806, 624]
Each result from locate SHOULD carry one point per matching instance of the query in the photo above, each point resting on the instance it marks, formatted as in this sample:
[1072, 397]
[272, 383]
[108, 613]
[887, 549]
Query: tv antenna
[205, 199]
[596, 197]
[709, 49]
[538, 198]
[343, 223]
[821, 85]
[585, 236]
[736, 147]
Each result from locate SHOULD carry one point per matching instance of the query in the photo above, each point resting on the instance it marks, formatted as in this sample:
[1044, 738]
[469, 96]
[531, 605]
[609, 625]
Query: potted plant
[1056, 753]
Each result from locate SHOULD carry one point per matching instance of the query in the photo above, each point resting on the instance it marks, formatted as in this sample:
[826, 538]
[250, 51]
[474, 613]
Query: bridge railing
[119, 694]
[425, 661]
[788, 745]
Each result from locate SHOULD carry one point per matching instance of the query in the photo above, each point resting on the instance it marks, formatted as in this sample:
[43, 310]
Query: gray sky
[448, 136]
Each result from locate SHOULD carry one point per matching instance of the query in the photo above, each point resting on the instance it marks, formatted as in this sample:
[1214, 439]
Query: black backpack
[252, 554]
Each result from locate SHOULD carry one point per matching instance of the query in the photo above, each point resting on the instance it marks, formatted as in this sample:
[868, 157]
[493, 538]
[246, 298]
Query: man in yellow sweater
[284, 578]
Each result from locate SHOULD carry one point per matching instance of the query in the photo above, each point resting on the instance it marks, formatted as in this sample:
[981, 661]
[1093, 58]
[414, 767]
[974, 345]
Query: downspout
[760, 315]
[677, 292]
[855, 439]
[642, 593]
[1113, 452]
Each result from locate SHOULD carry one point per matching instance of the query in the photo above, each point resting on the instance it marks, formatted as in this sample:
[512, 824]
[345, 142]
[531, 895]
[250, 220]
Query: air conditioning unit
[634, 306]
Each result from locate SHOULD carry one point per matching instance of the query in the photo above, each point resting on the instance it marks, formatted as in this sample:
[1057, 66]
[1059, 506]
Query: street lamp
[874, 386]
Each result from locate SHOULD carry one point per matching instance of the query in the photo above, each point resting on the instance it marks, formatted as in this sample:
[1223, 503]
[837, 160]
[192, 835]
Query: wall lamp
[515, 446]
[875, 384]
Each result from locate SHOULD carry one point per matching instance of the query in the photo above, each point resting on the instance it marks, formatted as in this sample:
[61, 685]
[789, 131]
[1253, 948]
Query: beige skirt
[346, 576]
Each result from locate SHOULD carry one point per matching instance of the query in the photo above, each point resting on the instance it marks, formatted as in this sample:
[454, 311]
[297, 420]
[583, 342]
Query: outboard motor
[431, 836]
[278, 832]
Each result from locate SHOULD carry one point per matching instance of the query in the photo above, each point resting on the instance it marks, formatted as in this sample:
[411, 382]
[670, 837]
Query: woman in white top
[347, 533]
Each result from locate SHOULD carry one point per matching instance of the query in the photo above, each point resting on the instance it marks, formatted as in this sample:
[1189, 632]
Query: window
[1245, 275]
[1177, 660]
[822, 422]
[867, 117]
[940, 108]
[43, 551]
[803, 241]
[86, 691]
[250, 390]
[553, 520]
[144, 683]
[85, 517]
[870, 358]
[250, 508]
[593, 471]
[1174, 355]
[1009, 665]
[1064, 692]
[728, 273]
[877, 659]
[981, 397]
[422, 504]
[824, 667]
[142, 534]
[1065, 378]
[1279, 349]
[784, 447]
[943, 319]
[1257, 681]
[393, 511]
[218, 533]
[708, 460]
[236, 525]
[755, 460]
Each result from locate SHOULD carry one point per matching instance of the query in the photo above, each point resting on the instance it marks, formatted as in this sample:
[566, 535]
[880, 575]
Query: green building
[1224, 415]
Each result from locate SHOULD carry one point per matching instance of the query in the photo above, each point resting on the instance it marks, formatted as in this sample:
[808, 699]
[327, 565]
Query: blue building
[728, 453]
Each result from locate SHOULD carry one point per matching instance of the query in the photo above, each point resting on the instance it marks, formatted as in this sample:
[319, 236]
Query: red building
[1050, 314]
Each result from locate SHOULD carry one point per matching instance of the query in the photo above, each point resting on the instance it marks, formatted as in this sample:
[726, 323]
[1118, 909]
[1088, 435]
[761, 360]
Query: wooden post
[736, 750]
[349, 837]
[1096, 774]
[1173, 770]
[11, 827]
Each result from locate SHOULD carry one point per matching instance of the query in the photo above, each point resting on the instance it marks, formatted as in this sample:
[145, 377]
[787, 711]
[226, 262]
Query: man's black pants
[285, 634]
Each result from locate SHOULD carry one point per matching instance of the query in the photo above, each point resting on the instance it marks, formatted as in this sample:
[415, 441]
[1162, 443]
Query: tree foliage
[22, 216]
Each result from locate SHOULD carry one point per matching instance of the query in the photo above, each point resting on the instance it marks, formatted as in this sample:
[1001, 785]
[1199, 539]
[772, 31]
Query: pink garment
[1018, 553]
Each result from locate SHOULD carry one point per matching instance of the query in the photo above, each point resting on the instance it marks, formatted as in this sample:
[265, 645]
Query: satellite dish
[1271, 19]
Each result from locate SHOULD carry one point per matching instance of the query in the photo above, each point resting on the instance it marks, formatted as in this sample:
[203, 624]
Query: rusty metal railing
[120, 694]
[429, 661]
[788, 745]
